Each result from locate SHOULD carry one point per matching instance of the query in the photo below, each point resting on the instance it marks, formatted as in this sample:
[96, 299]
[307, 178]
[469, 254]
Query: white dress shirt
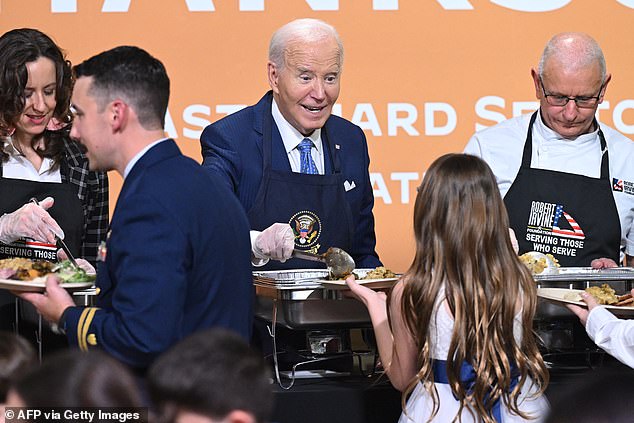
[292, 137]
[19, 167]
[614, 335]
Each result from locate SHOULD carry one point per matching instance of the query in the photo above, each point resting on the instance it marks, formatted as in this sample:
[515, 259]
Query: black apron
[67, 212]
[573, 217]
[313, 205]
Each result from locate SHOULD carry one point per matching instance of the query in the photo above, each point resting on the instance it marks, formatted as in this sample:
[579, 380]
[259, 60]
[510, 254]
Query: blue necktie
[307, 165]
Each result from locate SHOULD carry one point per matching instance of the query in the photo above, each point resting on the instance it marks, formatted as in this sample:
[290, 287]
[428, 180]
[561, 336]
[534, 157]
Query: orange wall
[471, 57]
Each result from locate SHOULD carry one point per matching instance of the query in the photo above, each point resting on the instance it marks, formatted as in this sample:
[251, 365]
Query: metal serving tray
[291, 275]
[582, 274]
[300, 301]
[621, 279]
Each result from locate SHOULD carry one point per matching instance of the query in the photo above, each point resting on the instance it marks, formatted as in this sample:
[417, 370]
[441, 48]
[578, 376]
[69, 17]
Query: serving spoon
[340, 264]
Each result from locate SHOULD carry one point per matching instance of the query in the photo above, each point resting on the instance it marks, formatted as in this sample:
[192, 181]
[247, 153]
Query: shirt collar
[9, 148]
[291, 137]
[548, 135]
[138, 156]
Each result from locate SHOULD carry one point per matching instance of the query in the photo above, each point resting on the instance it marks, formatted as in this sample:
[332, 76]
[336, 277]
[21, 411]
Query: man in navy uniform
[300, 173]
[177, 258]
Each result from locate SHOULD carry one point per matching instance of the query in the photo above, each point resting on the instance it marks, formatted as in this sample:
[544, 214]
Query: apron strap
[332, 152]
[605, 160]
[527, 155]
[267, 138]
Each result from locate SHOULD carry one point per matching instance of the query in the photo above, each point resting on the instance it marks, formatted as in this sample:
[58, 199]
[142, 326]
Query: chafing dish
[298, 300]
[583, 274]
[558, 328]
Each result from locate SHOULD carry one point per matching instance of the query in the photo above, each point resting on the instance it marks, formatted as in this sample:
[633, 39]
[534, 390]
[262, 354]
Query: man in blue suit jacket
[177, 258]
[289, 160]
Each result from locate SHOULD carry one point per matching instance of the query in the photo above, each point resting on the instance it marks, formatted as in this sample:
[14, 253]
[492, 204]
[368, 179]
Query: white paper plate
[39, 285]
[370, 283]
[563, 296]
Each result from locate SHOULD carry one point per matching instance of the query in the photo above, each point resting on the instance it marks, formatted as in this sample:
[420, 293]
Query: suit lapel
[279, 158]
[259, 112]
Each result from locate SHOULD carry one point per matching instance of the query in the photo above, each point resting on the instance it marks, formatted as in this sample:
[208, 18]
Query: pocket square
[349, 185]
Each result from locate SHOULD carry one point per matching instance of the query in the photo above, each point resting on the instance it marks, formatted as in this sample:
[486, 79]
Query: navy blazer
[177, 261]
[232, 151]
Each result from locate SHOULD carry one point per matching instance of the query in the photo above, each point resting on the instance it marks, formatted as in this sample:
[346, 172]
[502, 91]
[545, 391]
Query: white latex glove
[275, 242]
[31, 221]
[516, 245]
[83, 264]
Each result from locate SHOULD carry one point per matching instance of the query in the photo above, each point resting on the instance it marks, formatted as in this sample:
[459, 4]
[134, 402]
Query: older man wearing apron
[299, 172]
[567, 181]
[559, 211]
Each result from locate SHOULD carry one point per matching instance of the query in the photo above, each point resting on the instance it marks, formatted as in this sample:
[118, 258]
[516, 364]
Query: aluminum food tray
[582, 274]
[300, 301]
[290, 279]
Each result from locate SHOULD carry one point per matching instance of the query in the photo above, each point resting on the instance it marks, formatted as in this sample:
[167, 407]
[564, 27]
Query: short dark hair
[134, 75]
[72, 378]
[16, 357]
[212, 373]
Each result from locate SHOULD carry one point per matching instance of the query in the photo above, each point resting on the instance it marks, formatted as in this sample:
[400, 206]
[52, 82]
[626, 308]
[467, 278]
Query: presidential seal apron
[313, 205]
[67, 212]
[573, 217]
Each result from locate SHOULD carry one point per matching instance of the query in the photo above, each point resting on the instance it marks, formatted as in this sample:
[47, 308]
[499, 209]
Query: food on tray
[67, 272]
[625, 300]
[604, 294]
[380, 272]
[25, 269]
[539, 263]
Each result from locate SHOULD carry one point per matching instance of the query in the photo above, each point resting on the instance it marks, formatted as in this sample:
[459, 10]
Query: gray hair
[307, 29]
[575, 50]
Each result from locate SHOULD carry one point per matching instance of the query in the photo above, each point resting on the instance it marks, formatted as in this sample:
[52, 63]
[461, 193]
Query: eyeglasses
[581, 101]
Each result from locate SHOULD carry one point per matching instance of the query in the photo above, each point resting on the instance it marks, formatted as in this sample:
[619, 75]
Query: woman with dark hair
[455, 335]
[39, 160]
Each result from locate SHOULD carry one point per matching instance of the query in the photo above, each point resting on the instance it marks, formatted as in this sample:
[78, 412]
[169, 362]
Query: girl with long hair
[455, 334]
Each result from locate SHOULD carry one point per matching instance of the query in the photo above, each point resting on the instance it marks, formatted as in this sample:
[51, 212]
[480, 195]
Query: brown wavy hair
[17, 48]
[463, 244]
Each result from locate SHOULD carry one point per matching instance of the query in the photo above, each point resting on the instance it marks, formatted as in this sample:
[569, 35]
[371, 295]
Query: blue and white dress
[420, 404]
